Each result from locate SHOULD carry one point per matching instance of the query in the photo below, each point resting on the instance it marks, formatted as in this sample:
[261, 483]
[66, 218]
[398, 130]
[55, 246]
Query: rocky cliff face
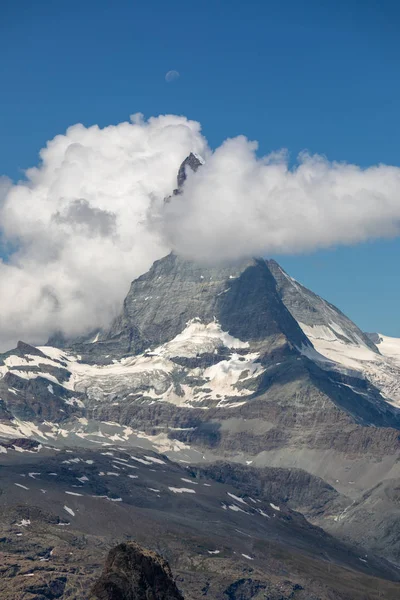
[372, 357]
[313, 312]
[242, 297]
[135, 573]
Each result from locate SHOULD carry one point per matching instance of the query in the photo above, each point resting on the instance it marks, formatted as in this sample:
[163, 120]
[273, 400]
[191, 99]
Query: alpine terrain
[229, 419]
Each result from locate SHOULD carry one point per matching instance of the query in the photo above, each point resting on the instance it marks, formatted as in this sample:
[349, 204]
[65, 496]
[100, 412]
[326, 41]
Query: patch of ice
[237, 498]
[157, 461]
[235, 508]
[21, 486]
[176, 490]
[141, 460]
[83, 479]
[24, 523]
[126, 465]
[199, 338]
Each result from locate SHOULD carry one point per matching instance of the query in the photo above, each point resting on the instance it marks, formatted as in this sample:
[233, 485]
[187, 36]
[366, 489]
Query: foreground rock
[134, 573]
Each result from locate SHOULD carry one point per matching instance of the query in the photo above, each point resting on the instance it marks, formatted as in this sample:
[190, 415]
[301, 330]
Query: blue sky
[312, 75]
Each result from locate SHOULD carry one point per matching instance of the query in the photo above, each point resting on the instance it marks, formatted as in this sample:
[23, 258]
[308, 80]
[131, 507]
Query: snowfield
[382, 370]
[151, 373]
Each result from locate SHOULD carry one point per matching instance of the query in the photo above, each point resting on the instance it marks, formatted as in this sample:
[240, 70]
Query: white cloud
[91, 216]
[80, 224]
[241, 205]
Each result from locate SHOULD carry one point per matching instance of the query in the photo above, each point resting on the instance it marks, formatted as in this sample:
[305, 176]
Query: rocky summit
[134, 573]
[229, 419]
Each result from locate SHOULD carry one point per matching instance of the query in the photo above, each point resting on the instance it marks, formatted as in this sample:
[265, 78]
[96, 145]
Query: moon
[171, 76]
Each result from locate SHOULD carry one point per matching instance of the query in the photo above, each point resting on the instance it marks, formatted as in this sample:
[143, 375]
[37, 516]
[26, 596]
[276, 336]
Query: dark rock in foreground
[134, 573]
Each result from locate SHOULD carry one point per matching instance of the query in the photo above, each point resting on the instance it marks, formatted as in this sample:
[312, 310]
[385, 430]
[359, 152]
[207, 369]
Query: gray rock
[310, 309]
[242, 297]
[134, 573]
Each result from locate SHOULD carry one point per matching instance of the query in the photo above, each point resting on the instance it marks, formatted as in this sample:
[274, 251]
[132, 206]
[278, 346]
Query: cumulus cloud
[91, 217]
[77, 231]
[241, 205]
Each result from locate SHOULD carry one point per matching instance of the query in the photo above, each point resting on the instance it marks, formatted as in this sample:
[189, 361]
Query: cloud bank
[240, 205]
[78, 229]
[91, 217]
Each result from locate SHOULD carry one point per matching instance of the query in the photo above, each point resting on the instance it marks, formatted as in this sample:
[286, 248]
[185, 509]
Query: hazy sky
[299, 76]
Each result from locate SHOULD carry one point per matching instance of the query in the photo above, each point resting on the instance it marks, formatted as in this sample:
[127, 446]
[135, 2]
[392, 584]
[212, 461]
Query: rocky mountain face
[192, 162]
[233, 382]
[313, 313]
[242, 298]
[373, 357]
[62, 510]
[135, 573]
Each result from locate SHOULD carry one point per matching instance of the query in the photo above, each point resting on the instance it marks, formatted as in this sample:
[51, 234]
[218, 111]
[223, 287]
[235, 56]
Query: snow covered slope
[49, 390]
[325, 319]
[389, 346]
[337, 338]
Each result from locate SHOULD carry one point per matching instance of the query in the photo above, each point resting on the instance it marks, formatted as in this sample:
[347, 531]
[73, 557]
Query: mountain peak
[193, 162]
[242, 297]
[135, 572]
[317, 317]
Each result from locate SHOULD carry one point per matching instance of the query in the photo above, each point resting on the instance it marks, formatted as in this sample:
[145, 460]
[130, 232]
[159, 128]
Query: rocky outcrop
[135, 573]
[23, 443]
[192, 162]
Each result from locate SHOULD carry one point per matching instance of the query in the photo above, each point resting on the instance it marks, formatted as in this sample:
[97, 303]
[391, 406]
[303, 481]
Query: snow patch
[237, 498]
[189, 481]
[24, 523]
[176, 490]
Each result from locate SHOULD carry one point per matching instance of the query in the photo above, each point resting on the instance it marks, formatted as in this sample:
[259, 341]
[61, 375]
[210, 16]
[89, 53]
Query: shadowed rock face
[134, 573]
[192, 162]
[312, 310]
[242, 297]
